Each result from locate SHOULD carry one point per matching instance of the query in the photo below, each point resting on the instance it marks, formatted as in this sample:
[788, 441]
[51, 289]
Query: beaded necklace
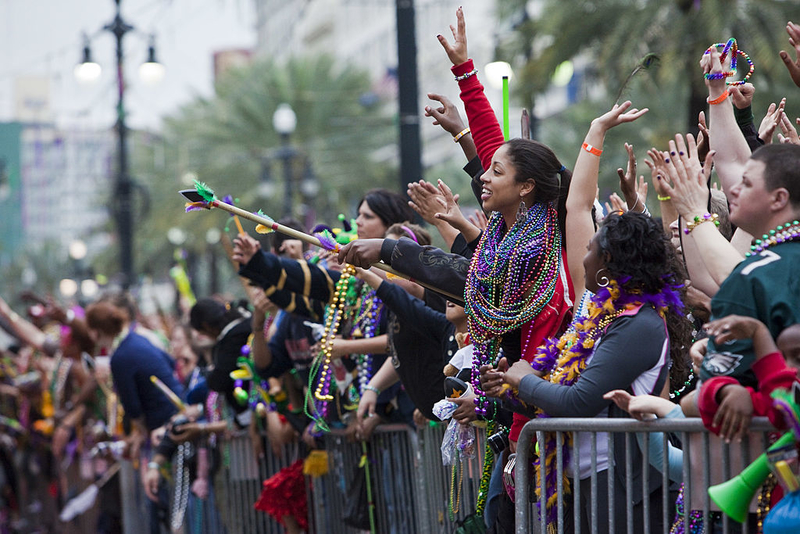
[781, 234]
[364, 327]
[511, 278]
[564, 360]
[362, 310]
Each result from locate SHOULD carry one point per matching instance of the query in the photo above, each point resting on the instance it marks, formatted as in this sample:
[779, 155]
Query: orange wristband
[592, 150]
[719, 100]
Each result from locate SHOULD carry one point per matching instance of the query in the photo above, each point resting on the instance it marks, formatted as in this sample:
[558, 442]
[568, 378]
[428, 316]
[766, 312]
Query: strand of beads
[367, 326]
[733, 48]
[332, 319]
[781, 234]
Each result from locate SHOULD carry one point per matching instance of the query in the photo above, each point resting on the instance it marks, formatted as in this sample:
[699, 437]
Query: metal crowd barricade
[707, 461]
[436, 481]
[241, 484]
[410, 486]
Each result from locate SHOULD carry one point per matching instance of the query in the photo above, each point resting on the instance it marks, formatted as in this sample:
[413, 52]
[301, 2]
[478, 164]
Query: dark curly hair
[635, 248]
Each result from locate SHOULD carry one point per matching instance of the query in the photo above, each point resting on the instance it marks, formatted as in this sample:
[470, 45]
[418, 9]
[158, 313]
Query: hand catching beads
[492, 379]
[517, 372]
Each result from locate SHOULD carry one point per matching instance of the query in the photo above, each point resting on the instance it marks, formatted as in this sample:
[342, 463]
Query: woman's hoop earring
[522, 211]
[605, 280]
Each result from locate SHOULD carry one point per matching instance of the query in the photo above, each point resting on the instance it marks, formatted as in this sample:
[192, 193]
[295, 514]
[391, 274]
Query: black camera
[498, 442]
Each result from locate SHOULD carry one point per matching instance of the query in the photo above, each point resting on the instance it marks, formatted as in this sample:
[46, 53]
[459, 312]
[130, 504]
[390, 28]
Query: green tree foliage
[228, 141]
[616, 34]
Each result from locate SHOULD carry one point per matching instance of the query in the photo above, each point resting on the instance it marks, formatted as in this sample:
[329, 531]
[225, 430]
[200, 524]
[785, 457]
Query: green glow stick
[506, 112]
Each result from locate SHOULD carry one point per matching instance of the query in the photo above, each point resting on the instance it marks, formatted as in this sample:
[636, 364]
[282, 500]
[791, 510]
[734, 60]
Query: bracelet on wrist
[719, 100]
[665, 198]
[153, 465]
[469, 74]
[700, 219]
[462, 133]
[373, 389]
[592, 149]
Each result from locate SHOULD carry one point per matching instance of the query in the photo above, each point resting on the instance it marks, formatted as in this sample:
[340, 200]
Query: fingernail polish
[673, 152]
[666, 160]
[658, 177]
[681, 153]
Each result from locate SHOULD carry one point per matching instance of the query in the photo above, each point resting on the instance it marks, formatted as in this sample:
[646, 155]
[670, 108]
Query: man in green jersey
[766, 285]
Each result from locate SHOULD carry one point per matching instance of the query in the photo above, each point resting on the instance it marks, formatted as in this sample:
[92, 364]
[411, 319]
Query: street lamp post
[123, 188]
[123, 184]
[284, 121]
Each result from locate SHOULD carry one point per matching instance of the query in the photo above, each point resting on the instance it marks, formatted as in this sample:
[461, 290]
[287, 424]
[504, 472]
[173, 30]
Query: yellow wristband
[461, 134]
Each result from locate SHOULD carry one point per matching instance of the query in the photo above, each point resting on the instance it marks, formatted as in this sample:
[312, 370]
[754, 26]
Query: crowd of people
[547, 304]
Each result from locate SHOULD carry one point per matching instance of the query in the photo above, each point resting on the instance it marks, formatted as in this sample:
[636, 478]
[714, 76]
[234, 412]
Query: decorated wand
[168, 392]
[203, 198]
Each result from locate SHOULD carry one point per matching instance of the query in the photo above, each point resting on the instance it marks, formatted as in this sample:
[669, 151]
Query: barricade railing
[412, 491]
[411, 488]
[706, 460]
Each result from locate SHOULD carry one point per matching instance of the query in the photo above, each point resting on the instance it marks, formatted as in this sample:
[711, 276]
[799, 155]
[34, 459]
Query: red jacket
[772, 373]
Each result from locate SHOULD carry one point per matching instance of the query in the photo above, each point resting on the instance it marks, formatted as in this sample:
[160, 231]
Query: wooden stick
[311, 240]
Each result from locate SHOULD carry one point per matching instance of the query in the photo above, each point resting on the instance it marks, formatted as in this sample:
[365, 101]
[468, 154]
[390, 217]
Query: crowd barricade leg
[637, 491]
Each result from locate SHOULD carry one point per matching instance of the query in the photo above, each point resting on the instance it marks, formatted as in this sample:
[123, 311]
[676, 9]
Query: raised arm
[583, 188]
[690, 196]
[486, 131]
[726, 138]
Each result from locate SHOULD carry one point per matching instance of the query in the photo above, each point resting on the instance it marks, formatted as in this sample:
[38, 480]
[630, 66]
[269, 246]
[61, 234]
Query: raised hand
[244, 248]
[703, 137]
[789, 131]
[770, 122]
[445, 115]
[628, 185]
[710, 64]
[742, 95]
[450, 212]
[658, 171]
[689, 189]
[426, 200]
[478, 219]
[457, 51]
[793, 66]
[619, 114]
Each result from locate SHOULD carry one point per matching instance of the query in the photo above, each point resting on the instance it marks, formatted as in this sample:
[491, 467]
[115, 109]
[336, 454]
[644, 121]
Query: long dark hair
[390, 207]
[636, 249]
[535, 161]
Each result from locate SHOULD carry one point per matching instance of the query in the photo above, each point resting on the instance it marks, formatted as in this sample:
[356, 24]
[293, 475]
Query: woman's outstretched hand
[457, 51]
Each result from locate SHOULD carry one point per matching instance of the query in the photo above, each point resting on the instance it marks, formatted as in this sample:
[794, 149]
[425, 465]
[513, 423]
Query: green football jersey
[765, 286]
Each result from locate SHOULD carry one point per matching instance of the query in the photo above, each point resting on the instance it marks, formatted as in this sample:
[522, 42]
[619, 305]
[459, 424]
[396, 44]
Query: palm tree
[617, 33]
[228, 141]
